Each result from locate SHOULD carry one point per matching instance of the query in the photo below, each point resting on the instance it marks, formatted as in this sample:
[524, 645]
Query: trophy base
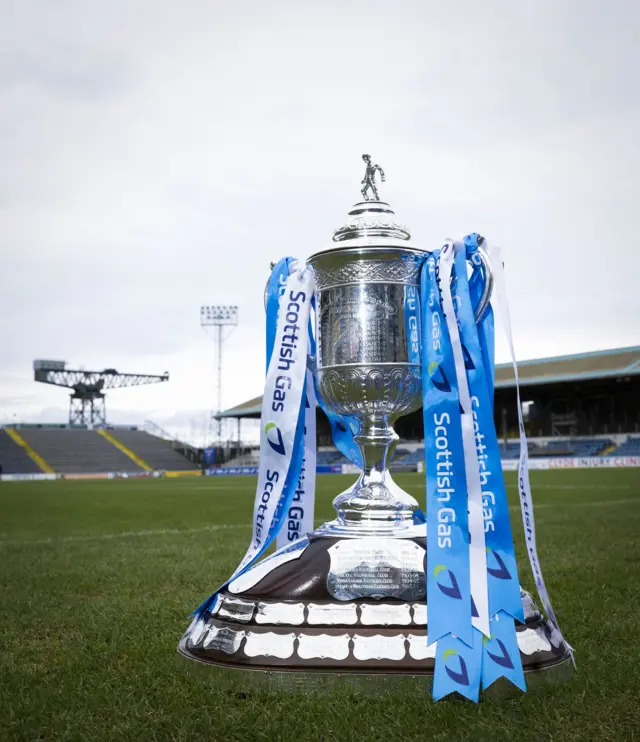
[322, 682]
[335, 611]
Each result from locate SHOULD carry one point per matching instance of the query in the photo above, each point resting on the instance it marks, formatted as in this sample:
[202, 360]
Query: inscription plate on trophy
[223, 639]
[376, 568]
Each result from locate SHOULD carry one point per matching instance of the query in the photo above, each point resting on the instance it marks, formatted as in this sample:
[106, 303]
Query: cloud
[68, 72]
[158, 157]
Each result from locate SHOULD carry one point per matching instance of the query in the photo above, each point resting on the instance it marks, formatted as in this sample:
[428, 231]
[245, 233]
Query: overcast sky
[155, 156]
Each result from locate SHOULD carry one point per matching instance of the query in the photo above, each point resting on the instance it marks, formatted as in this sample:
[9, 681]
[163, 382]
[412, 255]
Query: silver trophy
[351, 603]
[368, 365]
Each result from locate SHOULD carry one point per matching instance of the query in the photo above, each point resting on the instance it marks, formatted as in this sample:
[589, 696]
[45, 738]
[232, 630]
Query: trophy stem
[375, 504]
[377, 442]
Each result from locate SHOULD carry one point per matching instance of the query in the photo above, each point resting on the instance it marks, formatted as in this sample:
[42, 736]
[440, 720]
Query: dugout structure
[594, 393]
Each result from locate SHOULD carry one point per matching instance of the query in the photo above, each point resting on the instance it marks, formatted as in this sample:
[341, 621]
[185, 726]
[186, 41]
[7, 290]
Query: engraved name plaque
[531, 641]
[224, 639]
[376, 568]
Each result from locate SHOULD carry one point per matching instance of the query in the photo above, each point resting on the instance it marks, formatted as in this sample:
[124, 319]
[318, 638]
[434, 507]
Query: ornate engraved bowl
[367, 321]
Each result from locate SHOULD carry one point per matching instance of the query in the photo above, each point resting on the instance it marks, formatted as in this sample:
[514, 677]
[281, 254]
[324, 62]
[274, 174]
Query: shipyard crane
[87, 403]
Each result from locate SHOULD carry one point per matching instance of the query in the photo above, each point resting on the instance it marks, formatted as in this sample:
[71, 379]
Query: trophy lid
[372, 222]
[371, 219]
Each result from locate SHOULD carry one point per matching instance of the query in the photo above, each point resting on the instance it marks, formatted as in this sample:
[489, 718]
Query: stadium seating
[590, 446]
[574, 447]
[13, 458]
[328, 457]
[247, 459]
[158, 453]
[630, 447]
[561, 447]
[558, 447]
[71, 450]
[77, 451]
[510, 451]
[409, 457]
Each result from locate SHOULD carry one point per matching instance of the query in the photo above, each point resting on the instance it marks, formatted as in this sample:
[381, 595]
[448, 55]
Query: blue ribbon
[448, 578]
[464, 661]
[486, 326]
[503, 583]
[343, 429]
[461, 666]
[501, 656]
[458, 667]
[278, 278]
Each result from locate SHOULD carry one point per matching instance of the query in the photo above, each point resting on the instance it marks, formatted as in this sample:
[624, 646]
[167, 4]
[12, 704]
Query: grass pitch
[97, 580]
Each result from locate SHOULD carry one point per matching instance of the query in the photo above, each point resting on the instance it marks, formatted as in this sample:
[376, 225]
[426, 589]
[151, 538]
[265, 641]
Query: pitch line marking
[591, 503]
[124, 534]
[596, 503]
[578, 486]
[536, 486]
[223, 527]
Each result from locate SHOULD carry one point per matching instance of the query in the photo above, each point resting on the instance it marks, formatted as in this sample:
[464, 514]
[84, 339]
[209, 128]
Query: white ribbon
[281, 406]
[524, 487]
[299, 520]
[477, 548]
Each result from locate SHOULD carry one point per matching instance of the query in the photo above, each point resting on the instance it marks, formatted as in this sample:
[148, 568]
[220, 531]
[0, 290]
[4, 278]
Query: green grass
[97, 579]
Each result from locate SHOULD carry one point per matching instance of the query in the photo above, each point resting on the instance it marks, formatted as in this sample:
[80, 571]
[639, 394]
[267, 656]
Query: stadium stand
[328, 457]
[158, 453]
[77, 451]
[569, 447]
[14, 459]
[564, 447]
[582, 405]
[583, 394]
[410, 457]
[630, 447]
[512, 450]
